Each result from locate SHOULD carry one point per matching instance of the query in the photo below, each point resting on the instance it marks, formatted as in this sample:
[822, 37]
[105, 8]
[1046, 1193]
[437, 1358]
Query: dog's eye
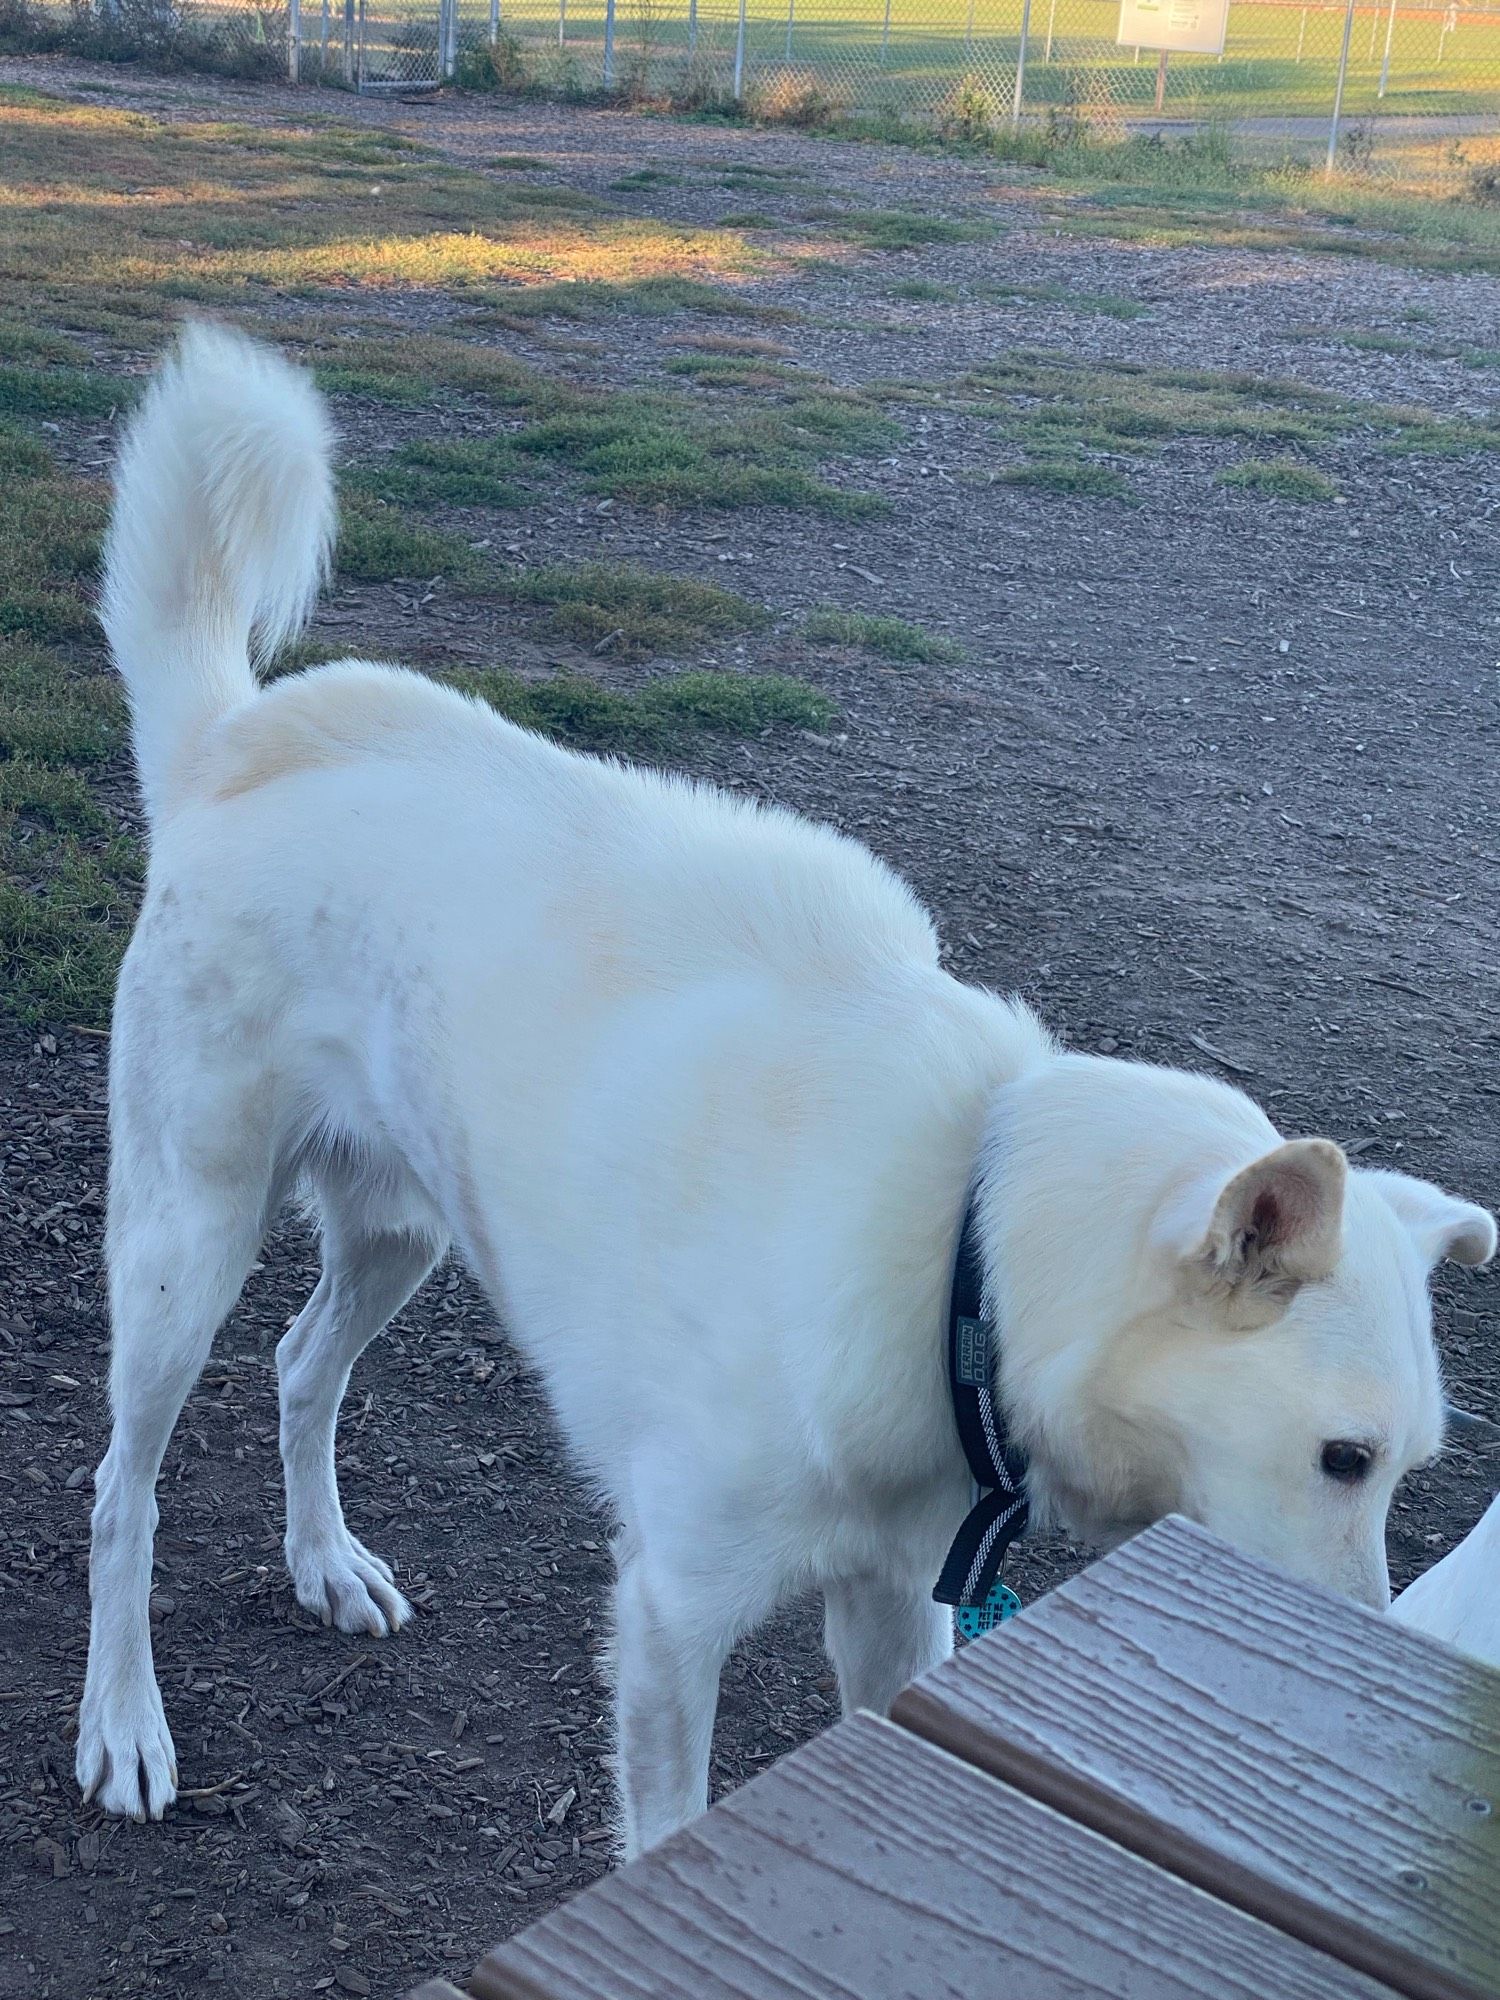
[1344, 1461]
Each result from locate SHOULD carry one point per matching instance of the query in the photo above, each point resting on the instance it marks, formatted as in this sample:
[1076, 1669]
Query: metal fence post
[1051, 23]
[885, 36]
[349, 76]
[1338, 89]
[609, 43]
[494, 22]
[692, 27]
[791, 15]
[562, 22]
[447, 40]
[1161, 81]
[1302, 34]
[739, 57]
[294, 41]
[1390, 34]
[1015, 104]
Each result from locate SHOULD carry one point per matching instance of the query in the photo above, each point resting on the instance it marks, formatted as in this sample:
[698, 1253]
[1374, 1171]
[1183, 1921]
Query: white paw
[344, 1585]
[126, 1762]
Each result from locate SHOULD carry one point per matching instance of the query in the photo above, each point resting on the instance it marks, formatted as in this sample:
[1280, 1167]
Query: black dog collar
[1001, 1510]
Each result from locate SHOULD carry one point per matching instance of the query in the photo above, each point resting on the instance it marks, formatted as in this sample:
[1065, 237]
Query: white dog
[682, 1082]
[1458, 1599]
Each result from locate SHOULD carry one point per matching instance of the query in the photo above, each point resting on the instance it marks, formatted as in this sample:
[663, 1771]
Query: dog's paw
[344, 1585]
[126, 1762]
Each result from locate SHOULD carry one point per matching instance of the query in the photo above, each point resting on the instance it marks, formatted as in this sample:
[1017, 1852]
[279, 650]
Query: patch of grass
[1078, 477]
[630, 613]
[374, 385]
[1047, 401]
[1111, 305]
[117, 206]
[738, 371]
[134, 321]
[67, 887]
[905, 229]
[1279, 479]
[646, 177]
[49, 797]
[1417, 433]
[735, 343]
[891, 638]
[50, 617]
[644, 446]
[414, 371]
[652, 298]
[1373, 341]
[752, 172]
[663, 451]
[379, 545]
[460, 472]
[22, 342]
[1262, 211]
[748, 218]
[22, 455]
[65, 909]
[58, 392]
[50, 714]
[580, 712]
[1385, 343]
[50, 526]
[516, 163]
[925, 291]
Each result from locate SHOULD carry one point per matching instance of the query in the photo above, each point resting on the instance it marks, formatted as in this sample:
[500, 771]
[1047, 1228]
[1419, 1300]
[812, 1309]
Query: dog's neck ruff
[1001, 1510]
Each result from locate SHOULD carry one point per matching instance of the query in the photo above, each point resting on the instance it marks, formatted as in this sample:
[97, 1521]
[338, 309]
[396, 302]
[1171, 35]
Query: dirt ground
[1213, 785]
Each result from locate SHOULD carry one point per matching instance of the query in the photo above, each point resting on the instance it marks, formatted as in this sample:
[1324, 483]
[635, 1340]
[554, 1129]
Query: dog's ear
[1440, 1224]
[1274, 1226]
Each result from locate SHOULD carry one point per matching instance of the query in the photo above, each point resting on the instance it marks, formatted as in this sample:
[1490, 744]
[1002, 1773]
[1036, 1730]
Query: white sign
[1196, 27]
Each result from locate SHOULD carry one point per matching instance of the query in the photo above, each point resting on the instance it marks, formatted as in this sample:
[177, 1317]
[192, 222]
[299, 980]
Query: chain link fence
[1357, 77]
[1404, 74]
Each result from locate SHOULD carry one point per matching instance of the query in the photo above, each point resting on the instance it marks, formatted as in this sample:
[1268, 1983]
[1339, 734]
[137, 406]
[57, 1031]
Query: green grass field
[1279, 62]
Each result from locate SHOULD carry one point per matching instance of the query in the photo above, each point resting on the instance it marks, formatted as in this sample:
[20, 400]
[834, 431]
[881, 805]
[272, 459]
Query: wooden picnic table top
[1180, 1774]
[871, 1866]
[1312, 1762]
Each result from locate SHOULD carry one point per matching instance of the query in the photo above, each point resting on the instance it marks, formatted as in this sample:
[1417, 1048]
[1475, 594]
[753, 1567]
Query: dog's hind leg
[369, 1273]
[192, 1181]
[880, 1635]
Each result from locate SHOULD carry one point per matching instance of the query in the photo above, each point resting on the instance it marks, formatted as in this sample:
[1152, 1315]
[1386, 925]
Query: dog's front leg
[671, 1639]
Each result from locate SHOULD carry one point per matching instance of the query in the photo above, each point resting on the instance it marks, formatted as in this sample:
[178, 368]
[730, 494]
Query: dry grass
[216, 212]
[1064, 414]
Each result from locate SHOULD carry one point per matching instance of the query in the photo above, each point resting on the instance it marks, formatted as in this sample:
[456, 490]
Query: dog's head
[1200, 1317]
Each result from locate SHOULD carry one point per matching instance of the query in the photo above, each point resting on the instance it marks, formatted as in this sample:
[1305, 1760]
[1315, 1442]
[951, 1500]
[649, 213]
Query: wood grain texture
[1316, 1764]
[870, 1866]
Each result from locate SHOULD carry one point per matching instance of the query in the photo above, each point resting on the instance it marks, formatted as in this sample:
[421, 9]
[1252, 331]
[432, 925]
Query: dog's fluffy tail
[220, 537]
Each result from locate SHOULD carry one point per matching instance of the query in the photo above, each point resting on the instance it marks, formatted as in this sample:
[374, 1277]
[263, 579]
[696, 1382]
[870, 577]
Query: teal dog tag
[974, 1620]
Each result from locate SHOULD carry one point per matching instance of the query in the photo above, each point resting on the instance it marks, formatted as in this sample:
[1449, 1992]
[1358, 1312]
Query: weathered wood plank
[1314, 1763]
[869, 1866]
